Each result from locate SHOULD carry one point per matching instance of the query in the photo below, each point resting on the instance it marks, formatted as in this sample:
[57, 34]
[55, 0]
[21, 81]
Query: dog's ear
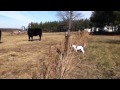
[84, 45]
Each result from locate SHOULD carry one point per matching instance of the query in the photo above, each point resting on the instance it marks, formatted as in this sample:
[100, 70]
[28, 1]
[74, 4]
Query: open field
[22, 59]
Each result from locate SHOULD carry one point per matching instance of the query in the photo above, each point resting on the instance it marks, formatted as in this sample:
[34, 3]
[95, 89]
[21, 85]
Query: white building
[106, 28]
[87, 29]
[110, 28]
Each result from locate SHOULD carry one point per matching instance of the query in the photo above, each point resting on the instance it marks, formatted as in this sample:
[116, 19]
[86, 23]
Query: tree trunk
[70, 22]
[67, 34]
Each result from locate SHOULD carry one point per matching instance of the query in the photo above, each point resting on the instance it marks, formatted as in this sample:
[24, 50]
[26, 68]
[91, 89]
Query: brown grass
[20, 58]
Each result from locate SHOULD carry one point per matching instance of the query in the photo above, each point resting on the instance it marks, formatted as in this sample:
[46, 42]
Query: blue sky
[17, 19]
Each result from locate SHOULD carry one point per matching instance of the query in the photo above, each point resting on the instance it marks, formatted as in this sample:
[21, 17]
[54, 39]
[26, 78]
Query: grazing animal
[81, 48]
[0, 35]
[34, 32]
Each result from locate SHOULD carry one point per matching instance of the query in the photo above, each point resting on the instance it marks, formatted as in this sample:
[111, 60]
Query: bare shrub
[81, 38]
[60, 65]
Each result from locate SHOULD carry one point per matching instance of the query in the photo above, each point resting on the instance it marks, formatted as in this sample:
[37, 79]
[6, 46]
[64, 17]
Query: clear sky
[17, 19]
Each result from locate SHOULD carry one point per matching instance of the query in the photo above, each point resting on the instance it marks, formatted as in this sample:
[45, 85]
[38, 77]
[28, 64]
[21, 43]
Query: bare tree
[68, 16]
[65, 15]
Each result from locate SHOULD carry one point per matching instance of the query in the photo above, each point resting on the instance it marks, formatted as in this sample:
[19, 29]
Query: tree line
[98, 19]
[61, 26]
[102, 18]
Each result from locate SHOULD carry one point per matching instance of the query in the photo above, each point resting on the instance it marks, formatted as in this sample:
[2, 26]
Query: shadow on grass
[108, 41]
[105, 33]
[111, 41]
[35, 40]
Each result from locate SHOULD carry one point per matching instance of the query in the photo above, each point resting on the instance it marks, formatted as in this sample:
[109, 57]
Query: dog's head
[74, 46]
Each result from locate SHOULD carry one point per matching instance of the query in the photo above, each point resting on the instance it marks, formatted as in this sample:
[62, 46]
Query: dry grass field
[23, 59]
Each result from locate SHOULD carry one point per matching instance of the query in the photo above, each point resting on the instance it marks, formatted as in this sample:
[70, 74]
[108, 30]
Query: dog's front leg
[76, 50]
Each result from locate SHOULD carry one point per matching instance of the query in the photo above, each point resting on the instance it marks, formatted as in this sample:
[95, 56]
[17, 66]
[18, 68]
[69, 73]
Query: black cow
[0, 35]
[34, 32]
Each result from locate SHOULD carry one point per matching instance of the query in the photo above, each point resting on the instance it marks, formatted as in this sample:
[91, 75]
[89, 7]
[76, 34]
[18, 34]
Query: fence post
[67, 36]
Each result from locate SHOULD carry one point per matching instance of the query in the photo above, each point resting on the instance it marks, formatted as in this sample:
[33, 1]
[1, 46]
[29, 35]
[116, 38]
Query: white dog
[76, 48]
